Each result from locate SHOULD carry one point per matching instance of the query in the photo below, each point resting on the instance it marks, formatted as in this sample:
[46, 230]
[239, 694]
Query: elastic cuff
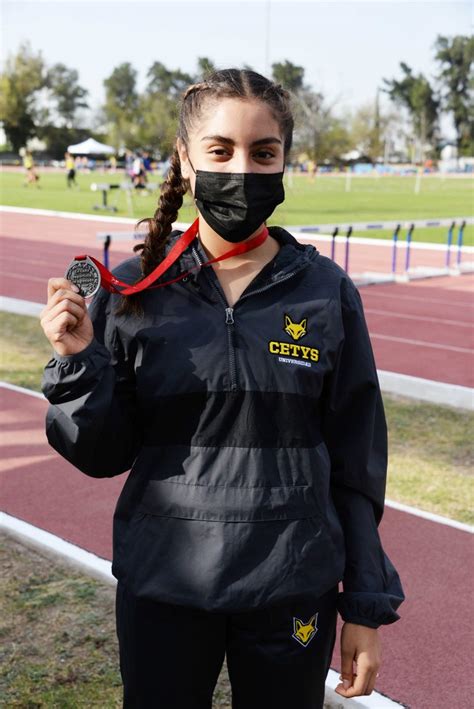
[372, 609]
[78, 356]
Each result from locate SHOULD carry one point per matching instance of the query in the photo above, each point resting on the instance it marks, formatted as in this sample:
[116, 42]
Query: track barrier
[370, 252]
[425, 255]
[105, 187]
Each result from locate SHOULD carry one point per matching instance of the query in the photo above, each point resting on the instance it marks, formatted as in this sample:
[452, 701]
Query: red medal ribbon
[110, 283]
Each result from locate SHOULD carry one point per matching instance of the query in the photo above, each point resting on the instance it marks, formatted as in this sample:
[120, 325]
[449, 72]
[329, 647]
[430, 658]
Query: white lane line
[420, 297]
[21, 276]
[422, 343]
[390, 313]
[79, 216]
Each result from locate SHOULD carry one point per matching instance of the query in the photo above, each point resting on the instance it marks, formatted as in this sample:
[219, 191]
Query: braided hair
[225, 83]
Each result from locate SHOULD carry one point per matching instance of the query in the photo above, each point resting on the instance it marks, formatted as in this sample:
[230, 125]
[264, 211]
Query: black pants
[171, 655]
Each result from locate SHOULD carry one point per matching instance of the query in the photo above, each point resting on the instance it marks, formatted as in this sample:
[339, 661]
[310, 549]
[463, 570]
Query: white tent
[91, 147]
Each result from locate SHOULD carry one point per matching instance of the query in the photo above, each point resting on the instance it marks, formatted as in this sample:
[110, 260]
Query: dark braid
[225, 83]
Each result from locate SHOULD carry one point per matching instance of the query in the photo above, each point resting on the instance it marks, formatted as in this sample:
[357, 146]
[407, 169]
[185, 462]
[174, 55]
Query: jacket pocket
[225, 503]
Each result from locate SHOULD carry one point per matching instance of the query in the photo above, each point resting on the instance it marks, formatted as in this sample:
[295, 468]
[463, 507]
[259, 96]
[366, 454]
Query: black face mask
[235, 204]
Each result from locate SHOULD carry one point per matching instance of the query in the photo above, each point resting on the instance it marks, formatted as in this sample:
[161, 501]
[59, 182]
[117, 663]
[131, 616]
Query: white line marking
[398, 296]
[41, 539]
[22, 276]
[422, 343]
[390, 313]
[77, 215]
[185, 225]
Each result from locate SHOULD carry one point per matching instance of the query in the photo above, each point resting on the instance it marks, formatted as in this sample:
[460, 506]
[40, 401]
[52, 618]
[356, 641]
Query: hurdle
[422, 259]
[332, 234]
[105, 187]
[108, 237]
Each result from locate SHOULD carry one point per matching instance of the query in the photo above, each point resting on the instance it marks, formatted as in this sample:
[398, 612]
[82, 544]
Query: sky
[346, 48]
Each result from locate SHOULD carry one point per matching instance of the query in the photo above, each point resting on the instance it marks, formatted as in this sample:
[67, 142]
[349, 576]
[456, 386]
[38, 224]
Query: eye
[218, 151]
[264, 154]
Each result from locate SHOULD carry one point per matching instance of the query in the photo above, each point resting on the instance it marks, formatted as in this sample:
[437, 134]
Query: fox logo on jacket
[295, 330]
[304, 632]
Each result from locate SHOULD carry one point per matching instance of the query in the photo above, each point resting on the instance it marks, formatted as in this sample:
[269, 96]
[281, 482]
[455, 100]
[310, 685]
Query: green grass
[59, 643]
[323, 201]
[431, 453]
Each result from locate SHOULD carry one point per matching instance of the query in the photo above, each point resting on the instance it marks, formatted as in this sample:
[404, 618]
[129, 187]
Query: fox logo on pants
[304, 632]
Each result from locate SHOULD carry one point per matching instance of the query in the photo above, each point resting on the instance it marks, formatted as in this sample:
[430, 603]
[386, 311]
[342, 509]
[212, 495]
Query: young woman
[244, 397]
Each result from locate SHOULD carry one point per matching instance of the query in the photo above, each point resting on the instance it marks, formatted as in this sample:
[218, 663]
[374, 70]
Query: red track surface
[423, 328]
[426, 654]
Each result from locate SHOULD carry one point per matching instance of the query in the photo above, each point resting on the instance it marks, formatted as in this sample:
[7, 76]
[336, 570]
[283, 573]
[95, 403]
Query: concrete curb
[81, 560]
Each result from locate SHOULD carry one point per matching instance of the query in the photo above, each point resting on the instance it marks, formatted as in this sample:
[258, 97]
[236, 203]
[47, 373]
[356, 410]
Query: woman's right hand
[65, 319]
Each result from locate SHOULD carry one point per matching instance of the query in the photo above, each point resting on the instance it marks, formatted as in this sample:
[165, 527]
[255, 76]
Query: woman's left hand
[361, 644]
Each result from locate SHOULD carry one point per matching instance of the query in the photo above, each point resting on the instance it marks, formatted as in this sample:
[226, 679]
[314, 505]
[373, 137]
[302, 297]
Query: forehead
[243, 120]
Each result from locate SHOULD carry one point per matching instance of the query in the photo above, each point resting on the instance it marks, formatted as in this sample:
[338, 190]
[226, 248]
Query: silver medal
[85, 274]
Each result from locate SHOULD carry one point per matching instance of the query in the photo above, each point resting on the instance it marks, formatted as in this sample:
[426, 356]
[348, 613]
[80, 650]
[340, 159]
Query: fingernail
[346, 683]
[75, 288]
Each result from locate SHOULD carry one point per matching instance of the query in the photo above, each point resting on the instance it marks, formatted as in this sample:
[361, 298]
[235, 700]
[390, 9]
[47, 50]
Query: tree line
[46, 102]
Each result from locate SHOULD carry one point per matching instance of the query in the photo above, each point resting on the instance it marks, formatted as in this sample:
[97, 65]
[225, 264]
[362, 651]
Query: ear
[183, 158]
[288, 321]
[303, 323]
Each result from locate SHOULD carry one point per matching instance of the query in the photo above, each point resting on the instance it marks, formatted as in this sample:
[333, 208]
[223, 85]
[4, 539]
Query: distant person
[29, 164]
[138, 172]
[113, 164]
[70, 170]
[147, 162]
[129, 164]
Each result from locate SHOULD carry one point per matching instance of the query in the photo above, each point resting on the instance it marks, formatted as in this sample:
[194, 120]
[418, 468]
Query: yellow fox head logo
[295, 330]
[303, 632]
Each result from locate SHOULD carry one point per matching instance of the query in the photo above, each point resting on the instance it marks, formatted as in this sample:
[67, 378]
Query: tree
[205, 67]
[168, 82]
[456, 58]
[370, 129]
[288, 75]
[20, 83]
[121, 106]
[416, 94]
[66, 92]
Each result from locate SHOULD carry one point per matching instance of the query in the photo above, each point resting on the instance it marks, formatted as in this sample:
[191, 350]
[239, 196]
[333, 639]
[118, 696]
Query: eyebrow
[229, 141]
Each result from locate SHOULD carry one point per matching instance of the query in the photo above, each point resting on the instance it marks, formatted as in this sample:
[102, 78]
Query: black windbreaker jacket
[256, 436]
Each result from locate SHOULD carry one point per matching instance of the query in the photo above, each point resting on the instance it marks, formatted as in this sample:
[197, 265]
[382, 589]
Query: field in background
[320, 201]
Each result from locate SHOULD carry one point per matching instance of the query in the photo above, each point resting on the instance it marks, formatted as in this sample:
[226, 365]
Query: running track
[423, 328]
[426, 654]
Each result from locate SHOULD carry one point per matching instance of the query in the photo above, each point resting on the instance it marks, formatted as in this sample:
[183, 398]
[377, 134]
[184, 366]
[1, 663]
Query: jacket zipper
[229, 320]
[229, 315]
